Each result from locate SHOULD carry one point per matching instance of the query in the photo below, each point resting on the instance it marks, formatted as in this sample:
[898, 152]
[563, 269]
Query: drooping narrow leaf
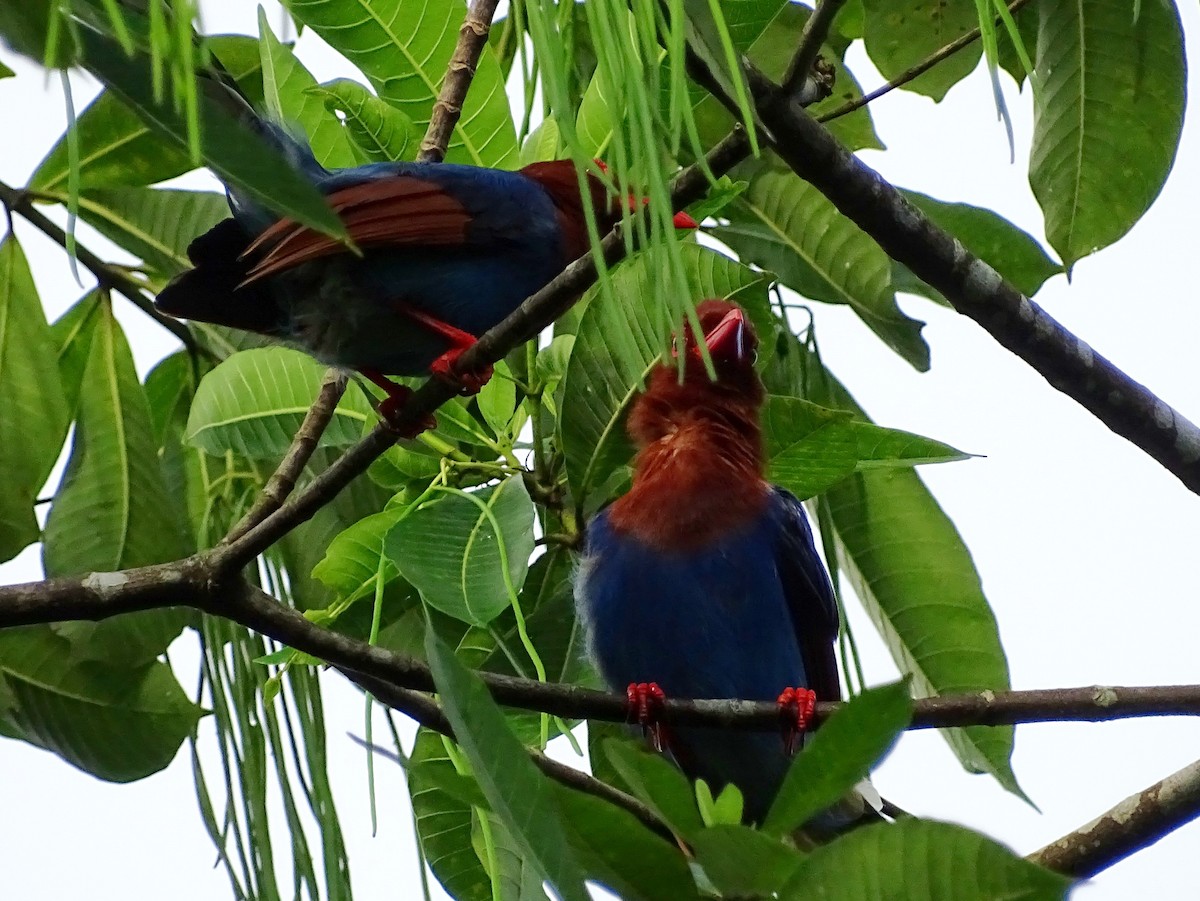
[1107, 120]
[33, 408]
[452, 553]
[839, 755]
[406, 64]
[117, 723]
[254, 402]
[919, 860]
[111, 510]
[520, 795]
[784, 224]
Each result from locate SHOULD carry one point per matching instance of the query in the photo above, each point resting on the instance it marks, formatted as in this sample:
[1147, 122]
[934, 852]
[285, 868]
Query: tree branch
[816, 29]
[916, 71]
[975, 289]
[472, 38]
[108, 276]
[1137, 822]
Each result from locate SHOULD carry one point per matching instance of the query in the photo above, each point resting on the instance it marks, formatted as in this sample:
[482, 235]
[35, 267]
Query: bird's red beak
[681, 220]
[729, 340]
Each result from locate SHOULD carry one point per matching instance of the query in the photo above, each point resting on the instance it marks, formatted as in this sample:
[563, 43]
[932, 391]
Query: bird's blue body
[703, 578]
[716, 621]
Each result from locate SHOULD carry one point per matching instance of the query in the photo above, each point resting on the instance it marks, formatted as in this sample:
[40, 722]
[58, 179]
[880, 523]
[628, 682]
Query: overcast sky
[1086, 546]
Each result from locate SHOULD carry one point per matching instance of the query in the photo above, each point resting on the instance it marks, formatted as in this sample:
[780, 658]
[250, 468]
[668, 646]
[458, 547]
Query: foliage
[436, 555]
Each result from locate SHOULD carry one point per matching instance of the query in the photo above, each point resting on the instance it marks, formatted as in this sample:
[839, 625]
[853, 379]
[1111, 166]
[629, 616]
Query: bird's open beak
[729, 340]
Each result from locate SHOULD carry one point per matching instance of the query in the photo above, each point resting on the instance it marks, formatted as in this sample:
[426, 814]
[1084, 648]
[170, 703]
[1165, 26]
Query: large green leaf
[811, 448]
[406, 64]
[117, 723]
[116, 148]
[918, 860]
[33, 409]
[520, 795]
[156, 225]
[1014, 253]
[254, 402]
[170, 389]
[915, 577]
[451, 551]
[72, 336]
[289, 91]
[658, 784]
[354, 560]
[786, 225]
[230, 148]
[742, 862]
[607, 368]
[839, 755]
[1107, 119]
[899, 35]
[443, 822]
[378, 133]
[112, 511]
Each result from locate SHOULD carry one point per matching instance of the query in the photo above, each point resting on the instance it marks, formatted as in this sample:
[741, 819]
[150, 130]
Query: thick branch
[977, 290]
[472, 38]
[107, 275]
[1137, 822]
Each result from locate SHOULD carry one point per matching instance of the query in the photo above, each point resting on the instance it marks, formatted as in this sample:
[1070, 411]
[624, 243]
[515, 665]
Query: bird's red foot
[646, 708]
[392, 405]
[796, 706]
[446, 368]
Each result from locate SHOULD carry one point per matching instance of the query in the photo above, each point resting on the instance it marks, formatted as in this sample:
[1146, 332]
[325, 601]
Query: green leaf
[918, 860]
[72, 336]
[811, 448]
[33, 409]
[288, 87]
[723, 810]
[520, 795]
[351, 563]
[254, 402]
[443, 822]
[116, 148]
[915, 577]
[742, 862]
[1014, 253]
[156, 225]
[544, 143]
[406, 64]
[839, 755]
[899, 35]
[112, 511]
[450, 550]
[498, 400]
[378, 133]
[5, 71]
[170, 388]
[658, 784]
[606, 370]
[1107, 119]
[784, 224]
[117, 723]
[24, 28]
[235, 154]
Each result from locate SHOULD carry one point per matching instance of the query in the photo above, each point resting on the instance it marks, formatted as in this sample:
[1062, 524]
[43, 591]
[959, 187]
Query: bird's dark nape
[210, 292]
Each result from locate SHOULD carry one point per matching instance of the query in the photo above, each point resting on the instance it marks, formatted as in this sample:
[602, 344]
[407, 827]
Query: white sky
[1084, 543]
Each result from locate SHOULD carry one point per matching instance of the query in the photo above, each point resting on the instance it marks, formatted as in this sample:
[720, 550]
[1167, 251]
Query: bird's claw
[469, 382]
[646, 708]
[796, 707]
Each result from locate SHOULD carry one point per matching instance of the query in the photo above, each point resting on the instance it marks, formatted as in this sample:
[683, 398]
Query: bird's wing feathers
[809, 596]
[383, 212]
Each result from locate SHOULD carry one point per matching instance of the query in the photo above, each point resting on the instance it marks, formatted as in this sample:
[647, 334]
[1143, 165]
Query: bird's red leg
[445, 367]
[390, 406]
[796, 706]
[646, 707]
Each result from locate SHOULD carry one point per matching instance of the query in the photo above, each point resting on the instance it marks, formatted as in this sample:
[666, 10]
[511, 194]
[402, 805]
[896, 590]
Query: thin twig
[919, 69]
[283, 480]
[816, 29]
[107, 275]
[472, 38]
[1137, 822]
